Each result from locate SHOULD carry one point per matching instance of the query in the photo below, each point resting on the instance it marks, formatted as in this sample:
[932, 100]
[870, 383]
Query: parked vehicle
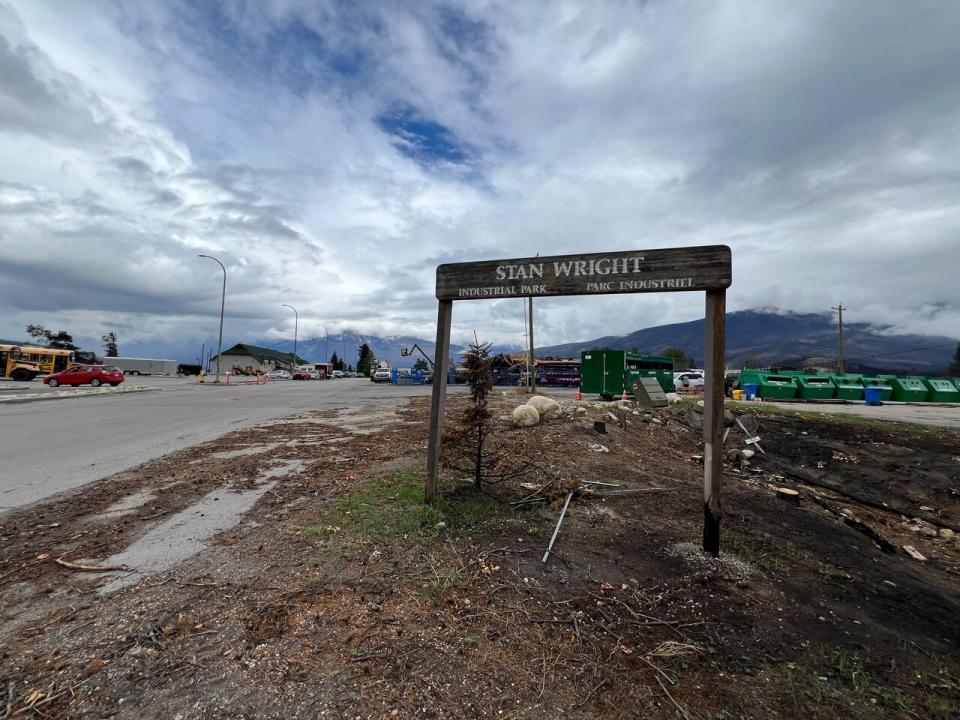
[14, 364]
[95, 375]
[279, 375]
[381, 374]
[25, 362]
[302, 375]
[315, 374]
[689, 381]
[337, 374]
[145, 366]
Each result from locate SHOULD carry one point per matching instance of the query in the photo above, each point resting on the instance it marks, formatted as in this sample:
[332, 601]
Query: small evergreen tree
[477, 361]
[367, 362]
[335, 361]
[110, 343]
[420, 364]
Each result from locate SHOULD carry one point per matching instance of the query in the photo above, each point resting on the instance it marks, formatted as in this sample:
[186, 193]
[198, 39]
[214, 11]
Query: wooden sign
[664, 270]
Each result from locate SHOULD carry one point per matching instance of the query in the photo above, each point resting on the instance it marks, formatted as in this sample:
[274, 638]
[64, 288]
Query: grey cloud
[35, 99]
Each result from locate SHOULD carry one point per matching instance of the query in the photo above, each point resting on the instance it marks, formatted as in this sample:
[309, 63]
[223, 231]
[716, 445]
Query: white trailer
[143, 366]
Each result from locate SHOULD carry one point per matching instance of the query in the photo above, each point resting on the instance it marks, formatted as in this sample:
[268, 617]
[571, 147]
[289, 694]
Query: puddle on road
[182, 536]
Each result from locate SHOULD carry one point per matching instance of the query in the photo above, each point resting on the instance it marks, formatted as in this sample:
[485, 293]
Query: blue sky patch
[423, 140]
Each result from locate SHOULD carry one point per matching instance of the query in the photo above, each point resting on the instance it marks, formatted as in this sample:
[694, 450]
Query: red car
[95, 375]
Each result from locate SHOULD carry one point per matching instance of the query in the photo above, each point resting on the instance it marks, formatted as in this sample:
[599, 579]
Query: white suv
[381, 375]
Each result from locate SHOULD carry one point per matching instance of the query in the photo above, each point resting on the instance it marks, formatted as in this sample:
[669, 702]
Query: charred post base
[711, 532]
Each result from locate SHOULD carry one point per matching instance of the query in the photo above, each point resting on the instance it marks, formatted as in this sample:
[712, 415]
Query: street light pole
[296, 323]
[223, 301]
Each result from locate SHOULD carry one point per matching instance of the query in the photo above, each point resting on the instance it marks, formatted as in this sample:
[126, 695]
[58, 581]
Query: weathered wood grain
[662, 270]
[713, 398]
[438, 401]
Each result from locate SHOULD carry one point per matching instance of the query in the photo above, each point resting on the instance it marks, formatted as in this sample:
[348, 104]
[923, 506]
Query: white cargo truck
[143, 366]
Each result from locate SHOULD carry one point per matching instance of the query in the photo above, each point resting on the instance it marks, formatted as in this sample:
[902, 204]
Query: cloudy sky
[333, 153]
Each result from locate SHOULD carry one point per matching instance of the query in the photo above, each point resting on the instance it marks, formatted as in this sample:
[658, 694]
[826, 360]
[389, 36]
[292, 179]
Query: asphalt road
[52, 446]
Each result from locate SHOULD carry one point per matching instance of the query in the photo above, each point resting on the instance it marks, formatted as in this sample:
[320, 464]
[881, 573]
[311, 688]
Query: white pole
[223, 302]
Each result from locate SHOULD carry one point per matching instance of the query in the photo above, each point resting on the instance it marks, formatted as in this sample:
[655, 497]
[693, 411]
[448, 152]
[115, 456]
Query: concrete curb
[55, 395]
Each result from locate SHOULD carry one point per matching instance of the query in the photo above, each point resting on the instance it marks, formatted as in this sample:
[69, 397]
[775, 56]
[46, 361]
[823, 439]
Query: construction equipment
[407, 352]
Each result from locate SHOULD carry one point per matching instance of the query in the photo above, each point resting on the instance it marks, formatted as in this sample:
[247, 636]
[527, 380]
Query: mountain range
[758, 338]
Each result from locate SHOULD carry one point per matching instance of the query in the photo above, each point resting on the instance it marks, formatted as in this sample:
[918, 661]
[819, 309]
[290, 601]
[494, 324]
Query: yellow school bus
[14, 365]
[25, 362]
[50, 360]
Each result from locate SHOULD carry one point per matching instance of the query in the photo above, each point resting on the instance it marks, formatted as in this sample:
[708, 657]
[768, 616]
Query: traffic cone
[624, 398]
[579, 396]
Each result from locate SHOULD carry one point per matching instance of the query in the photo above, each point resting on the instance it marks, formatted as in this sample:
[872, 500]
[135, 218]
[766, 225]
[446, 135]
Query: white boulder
[525, 416]
[547, 408]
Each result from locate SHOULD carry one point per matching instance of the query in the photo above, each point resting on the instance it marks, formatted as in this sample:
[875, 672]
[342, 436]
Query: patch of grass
[749, 552]
[849, 666]
[392, 506]
[445, 582]
[533, 531]
[681, 406]
[792, 552]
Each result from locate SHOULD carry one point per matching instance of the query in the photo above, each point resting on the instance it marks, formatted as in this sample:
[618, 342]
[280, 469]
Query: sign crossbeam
[706, 269]
[663, 270]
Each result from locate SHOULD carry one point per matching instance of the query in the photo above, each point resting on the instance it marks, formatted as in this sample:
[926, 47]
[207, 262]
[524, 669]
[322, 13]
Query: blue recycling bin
[873, 395]
[751, 390]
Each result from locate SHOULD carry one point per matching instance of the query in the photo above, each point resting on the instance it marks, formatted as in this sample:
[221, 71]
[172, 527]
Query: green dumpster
[886, 389]
[609, 372]
[941, 390]
[849, 387]
[749, 377]
[777, 387]
[909, 389]
[816, 387]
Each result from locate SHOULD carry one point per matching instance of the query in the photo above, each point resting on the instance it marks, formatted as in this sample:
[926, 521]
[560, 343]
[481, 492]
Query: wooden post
[439, 400]
[713, 397]
[531, 376]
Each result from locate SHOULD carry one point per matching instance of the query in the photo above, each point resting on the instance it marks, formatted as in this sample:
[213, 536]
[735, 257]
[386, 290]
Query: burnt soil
[339, 595]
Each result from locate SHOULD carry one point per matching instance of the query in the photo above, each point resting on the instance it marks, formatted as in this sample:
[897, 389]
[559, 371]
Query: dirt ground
[290, 570]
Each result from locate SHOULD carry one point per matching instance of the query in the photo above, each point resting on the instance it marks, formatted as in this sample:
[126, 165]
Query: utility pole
[840, 310]
[530, 361]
